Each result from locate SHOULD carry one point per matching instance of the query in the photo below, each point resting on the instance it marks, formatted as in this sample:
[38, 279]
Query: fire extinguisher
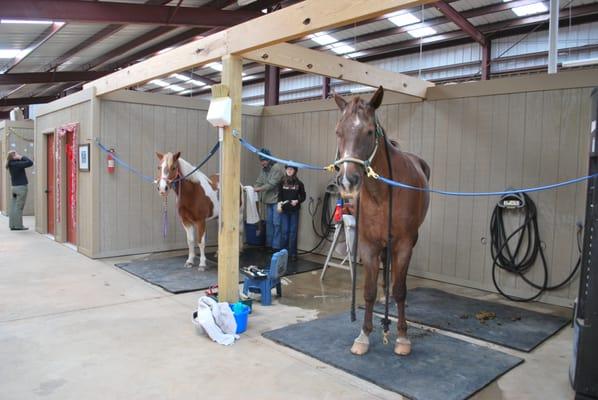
[111, 163]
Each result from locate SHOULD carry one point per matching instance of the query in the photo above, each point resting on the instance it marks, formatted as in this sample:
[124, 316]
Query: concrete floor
[75, 328]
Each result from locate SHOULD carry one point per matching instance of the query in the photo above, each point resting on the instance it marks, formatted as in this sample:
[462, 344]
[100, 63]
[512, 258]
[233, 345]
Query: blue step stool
[278, 266]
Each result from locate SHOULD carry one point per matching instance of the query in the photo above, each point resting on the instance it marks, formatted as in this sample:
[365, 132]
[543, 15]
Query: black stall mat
[505, 325]
[438, 368]
[172, 275]
[260, 258]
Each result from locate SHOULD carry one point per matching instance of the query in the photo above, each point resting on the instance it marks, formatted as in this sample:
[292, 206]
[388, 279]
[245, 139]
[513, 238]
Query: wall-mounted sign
[84, 157]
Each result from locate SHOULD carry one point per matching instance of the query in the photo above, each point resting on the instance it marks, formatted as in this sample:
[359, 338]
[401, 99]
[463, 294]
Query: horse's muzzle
[348, 183]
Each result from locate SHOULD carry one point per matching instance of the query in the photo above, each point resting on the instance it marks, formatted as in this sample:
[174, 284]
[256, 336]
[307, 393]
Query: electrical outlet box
[220, 112]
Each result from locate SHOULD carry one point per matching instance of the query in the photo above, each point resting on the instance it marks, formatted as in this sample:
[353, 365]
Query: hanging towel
[217, 320]
[251, 214]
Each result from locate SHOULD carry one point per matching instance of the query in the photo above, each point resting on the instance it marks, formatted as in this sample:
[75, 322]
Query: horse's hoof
[403, 346]
[188, 264]
[202, 268]
[359, 348]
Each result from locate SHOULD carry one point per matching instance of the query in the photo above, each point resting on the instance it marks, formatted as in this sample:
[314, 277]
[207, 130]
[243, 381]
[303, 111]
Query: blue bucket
[241, 313]
[255, 234]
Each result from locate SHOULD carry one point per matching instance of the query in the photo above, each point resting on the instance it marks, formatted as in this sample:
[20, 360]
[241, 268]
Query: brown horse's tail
[425, 168]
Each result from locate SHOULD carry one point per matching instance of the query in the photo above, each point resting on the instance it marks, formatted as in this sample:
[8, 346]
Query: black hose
[326, 227]
[520, 260]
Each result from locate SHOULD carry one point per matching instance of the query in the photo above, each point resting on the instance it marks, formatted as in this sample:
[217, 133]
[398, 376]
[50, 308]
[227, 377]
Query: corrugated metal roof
[72, 34]
[125, 35]
[147, 44]
[462, 5]
[19, 36]
[68, 37]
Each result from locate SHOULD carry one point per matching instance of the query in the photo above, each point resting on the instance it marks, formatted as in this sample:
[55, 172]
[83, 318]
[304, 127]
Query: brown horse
[362, 143]
[197, 200]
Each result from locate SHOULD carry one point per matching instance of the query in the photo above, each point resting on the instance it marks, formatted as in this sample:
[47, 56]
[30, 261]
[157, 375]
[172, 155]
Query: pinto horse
[197, 200]
[362, 143]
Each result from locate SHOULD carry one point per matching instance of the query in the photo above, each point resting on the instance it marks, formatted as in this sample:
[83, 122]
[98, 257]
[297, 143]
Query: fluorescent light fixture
[421, 32]
[247, 77]
[176, 88]
[196, 83]
[10, 53]
[242, 3]
[342, 49]
[530, 9]
[404, 19]
[216, 66]
[26, 21]
[580, 63]
[356, 54]
[361, 89]
[185, 92]
[322, 38]
[159, 82]
[165, 50]
[180, 77]
[264, 11]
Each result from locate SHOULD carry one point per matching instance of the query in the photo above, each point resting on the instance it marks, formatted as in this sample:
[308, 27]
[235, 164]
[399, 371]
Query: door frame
[61, 187]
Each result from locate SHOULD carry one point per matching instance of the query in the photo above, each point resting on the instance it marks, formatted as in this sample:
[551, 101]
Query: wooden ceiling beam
[287, 24]
[316, 62]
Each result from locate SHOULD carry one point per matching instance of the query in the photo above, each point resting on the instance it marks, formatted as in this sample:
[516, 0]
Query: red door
[51, 181]
[71, 187]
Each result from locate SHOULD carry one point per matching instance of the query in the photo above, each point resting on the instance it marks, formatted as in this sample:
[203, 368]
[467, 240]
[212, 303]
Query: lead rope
[387, 262]
[354, 256]
[165, 217]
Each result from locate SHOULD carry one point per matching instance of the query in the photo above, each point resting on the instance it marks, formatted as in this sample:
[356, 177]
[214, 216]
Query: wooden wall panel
[77, 113]
[485, 143]
[131, 220]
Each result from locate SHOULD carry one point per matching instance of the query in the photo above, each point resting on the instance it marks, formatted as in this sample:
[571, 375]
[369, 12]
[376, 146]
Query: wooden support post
[230, 183]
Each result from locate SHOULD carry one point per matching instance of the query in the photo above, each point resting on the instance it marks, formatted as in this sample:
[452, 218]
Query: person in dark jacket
[16, 164]
[291, 193]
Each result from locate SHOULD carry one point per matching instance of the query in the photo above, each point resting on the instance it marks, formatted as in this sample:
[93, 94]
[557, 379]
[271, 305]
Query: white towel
[251, 214]
[217, 320]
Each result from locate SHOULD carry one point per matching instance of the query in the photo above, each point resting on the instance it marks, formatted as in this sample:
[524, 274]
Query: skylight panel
[322, 38]
[404, 19]
[421, 32]
[530, 9]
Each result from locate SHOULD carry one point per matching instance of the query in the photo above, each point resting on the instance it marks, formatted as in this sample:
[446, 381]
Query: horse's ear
[159, 155]
[376, 99]
[340, 102]
[176, 156]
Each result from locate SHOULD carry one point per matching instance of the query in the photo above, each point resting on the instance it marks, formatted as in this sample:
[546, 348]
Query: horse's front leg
[369, 259]
[399, 292]
[190, 231]
[201, 234]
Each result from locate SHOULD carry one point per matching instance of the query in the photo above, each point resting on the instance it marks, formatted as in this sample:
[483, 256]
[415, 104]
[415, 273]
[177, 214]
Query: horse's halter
[170, 182]
[365, 163]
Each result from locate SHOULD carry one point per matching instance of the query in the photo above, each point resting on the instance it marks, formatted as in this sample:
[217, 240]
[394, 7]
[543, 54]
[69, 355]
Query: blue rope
[297, 164]
[473, 194]
[124, 164]
[151, 179]
[390, 182]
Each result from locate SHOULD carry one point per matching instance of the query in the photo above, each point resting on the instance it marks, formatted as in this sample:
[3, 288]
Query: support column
[325, 87]
[272, 86]
[553, 33]
[228, 232]
[486, 60]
